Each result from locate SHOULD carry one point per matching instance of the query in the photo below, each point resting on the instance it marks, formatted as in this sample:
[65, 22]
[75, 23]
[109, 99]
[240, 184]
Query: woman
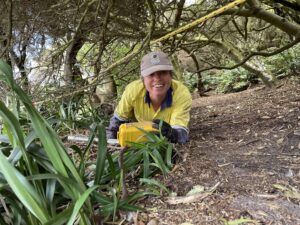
[155, 97]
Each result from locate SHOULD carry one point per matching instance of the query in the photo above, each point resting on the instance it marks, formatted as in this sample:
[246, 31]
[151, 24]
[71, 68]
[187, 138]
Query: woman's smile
[157, 84]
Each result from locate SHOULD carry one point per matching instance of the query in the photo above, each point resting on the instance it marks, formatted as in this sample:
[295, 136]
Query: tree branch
[152, 23]
[177, 19]
[265, 54]
[277, 21]
[293, 5]
[102, 37]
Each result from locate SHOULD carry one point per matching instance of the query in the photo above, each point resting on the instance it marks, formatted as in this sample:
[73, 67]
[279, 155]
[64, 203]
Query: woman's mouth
[158, 85]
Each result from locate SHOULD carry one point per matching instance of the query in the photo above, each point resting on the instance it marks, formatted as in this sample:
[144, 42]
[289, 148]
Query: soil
[244, 150]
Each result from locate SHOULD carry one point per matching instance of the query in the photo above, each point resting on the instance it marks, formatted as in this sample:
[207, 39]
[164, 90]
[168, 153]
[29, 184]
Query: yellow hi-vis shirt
[134, 106]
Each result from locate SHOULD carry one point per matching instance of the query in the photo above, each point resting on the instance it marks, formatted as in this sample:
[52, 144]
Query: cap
[155, 61]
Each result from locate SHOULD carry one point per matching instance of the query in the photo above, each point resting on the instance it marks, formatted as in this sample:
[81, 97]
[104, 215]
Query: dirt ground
[242, 145]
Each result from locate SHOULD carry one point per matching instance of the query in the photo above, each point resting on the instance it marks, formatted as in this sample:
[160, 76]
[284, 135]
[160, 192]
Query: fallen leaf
[196, 189]
[192, 198]
[279, 141]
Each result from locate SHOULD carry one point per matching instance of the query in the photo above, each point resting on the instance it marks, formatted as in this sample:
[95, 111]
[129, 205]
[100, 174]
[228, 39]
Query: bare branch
[290, 4]
[102, 41]
[277, 21]
[200, 20]
[152, 24]
[265, 54]
[238, 29]
[177, 19]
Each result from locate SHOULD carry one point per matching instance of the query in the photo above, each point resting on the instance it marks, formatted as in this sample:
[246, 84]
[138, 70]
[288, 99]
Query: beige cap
[155, 61]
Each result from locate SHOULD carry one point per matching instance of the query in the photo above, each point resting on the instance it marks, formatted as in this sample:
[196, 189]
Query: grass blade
[23, 190]
[146, 171]
[101, 154]
[112, 166]
[159, 161]
[155, 183]
[79, 204]
[46, 134]
[168, 155]
[61, 218]
[17, 208]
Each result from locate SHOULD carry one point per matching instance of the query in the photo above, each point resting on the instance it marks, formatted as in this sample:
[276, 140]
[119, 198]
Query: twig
[225, 164]
[249, 142]
[169, 210]
[8, 213]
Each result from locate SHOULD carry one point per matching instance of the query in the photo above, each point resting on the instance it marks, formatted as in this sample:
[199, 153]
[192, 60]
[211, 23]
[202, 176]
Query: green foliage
[123, 75]
[232, 80]
[222, 81]
[143, 158]
[45, 183]
[190, 80]
[73, 114]
[69, 115]
[285, 63]
[63, 170]
[154, 185]
[225, 81]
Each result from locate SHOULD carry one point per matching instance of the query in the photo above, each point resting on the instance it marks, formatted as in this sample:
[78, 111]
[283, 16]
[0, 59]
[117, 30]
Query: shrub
[40, 182]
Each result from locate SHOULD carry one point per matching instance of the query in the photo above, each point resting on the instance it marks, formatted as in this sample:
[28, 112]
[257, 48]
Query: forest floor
[244, 150]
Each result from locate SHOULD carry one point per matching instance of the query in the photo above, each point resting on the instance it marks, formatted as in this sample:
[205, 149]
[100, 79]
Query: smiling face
[157, 84]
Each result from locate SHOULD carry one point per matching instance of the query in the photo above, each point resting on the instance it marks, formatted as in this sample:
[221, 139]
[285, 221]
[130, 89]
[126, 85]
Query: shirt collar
[166, 103]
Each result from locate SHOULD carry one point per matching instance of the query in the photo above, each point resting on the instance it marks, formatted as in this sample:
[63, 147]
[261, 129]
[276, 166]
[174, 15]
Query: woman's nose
[156, 75]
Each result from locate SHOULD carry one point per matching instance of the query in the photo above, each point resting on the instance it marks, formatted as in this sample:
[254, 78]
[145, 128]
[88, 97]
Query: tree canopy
[79, 43]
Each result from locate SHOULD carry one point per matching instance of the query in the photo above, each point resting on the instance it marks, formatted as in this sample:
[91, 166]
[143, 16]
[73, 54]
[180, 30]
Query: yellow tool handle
[134, 132]
[198, 21]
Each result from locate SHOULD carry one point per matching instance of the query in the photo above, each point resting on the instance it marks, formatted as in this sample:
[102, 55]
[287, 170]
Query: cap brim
[156, 68]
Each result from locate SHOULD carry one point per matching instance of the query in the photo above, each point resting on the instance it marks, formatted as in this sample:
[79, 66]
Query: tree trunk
[106, 91]
[177, 69]
[72, 72]
[236, 55]
[20, 63]
[200, 85]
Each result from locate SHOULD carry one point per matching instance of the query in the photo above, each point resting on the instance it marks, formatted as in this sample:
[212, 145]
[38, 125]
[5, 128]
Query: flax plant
[41, 184]
[32, 194]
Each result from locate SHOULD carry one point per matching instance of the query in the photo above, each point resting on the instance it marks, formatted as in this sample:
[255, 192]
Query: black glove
[166, 130]
[113, 128]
